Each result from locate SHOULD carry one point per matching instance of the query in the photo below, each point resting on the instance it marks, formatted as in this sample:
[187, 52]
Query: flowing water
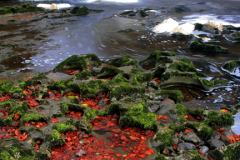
[98, 33]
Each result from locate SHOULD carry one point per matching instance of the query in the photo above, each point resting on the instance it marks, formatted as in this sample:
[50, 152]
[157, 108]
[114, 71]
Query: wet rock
[214, 143]
[204, 149]
[216, 135]
[225, 140]
[187, 146]
[16, 96]
[153, 84]
[166, 152]
[191, 137]
[227, 133]
[157, 143]
[153, 108]
[166, 101]
[166, 108]
[176, 139]
[180, 135]
[102, 102]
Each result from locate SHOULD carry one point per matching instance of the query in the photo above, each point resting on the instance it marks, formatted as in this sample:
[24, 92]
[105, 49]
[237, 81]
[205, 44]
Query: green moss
[31, 117]
[55, 139]
[231, 65]
[5, 86]
[127, 100]
[186, 60]
[167, 75]
[63, 127]
[6, 120]
[214, 119]
[142, 13]
[160, 156]
[83, 75]
[111, 69]
[182, 66]
[178, 10]
[219, 82]
[89, 128]
[75, 100]
[232, 153]
[90, 114]
[207, 47]
[112, 109]
[156, 55]
[166, 139]
[62, 84]
[126, 13]
[118, 80]
[205, 133]
[159, 72]
[83, 11]
[131, 63]
[177, 129]
[74, 10]
[198, 26]
[64, 107]
[136, 117]
[176, 95]
[126, 89]
[4, 155]
[92, 88]
[236, 108]
[21, 109]
[207, 83]
[45, 94]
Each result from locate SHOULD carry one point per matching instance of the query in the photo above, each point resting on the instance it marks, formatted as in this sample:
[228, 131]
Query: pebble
[204, 149]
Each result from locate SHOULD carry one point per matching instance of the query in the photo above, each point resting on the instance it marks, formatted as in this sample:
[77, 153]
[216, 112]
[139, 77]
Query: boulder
[187, 146]
[191, 137]
[214, 143]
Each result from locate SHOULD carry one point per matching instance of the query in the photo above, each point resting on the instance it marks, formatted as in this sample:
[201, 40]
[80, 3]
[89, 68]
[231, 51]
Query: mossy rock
[143, 13]
[198, 26]
[31, 117]
[176, 95]
[8, 87]
[62, 85]
[79, 62]
[83, 75]
[230, 65]
[181, 8]
[214, 119]
[130, 13]
[137, 117]
[126, 89]
[90, 114]
[55, 139]
[230, 152]
[92, 88]
[207, 47]
[82, 11]
[64, 107]
[166, 139]
[110, 71]
[64, 127]
[155, 56]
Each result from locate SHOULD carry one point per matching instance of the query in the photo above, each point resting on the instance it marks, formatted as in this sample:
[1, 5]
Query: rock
[166, 152]
[225, 140]
[224, 152]
[32, 88]
[191, 137]
[216, 135]
[80, 153]
[175, 139]
[166, 108]
[153, 84]
[204, 149]
[227, 133]
[16, 96]
[157, 143]
[102, 102]
[166, 101]
[187, 146]
[154, 108]
[180, 148]
[214, 143]
[180, 135]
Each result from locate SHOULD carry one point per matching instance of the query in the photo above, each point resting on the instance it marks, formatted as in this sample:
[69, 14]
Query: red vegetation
[77, 115]
[36, 124]
[5, 97]
[6, 132]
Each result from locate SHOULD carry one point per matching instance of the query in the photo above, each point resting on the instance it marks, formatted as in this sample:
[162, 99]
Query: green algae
[167, 75]
[118, 80]
[130, 63]
[83, 75]
[223, 120]
[136, 117]
[90, 114]
[207, 47]
[126, 89]
[55, 139]
[29, 117]
[166, 139]
[176, 95]
[155, 56]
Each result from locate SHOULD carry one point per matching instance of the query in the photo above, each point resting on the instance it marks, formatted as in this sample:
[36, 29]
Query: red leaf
[36, 147]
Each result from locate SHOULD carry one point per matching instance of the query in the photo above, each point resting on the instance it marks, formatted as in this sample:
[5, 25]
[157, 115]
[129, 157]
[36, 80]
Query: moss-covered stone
[21, 109]
[31, 117]
[155, 57]
[82, 11]
[90, 114]
[55, 139]
[223, 120]
[136, 117]
[64, 107]
[198, 26]
[83, 75]
[125, 89]
[219, 82]
[62, 85]
[111, 70]
[231, 65]
[205, 133]
[166, 139]
[176, 95]
[143, 13]
[79, 62]
[207, 47]
[63, 127]
[127, 13]
[8, 87]
[6, 120]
